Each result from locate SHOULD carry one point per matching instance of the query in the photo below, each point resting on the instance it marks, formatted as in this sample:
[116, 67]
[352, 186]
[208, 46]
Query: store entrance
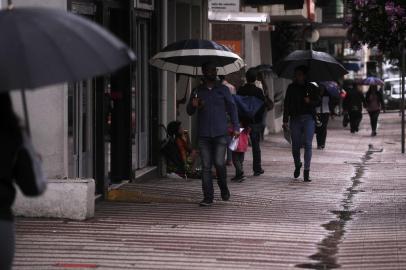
[117, 102]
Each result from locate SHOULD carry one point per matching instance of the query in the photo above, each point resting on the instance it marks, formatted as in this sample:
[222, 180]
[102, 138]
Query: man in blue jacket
[212, 101]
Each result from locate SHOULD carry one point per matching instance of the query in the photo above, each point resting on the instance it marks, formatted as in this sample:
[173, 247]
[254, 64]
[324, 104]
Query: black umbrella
[264, 68]
[322, 66]
[188, 56]
[41, 46]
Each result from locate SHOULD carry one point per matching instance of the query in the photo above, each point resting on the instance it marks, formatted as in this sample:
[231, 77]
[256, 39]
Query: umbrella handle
[26, 118]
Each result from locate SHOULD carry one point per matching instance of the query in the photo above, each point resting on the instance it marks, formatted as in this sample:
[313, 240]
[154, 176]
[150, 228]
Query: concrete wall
[47, 108]
[73, 199]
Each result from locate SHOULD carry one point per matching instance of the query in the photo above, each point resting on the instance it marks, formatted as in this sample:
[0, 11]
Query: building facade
[108, 128]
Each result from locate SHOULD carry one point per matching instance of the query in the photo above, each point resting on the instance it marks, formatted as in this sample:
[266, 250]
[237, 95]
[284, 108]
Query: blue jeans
[302, 132]
[212, 152]
[229, 152]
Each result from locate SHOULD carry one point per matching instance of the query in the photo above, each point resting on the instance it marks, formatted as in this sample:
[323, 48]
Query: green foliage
[378, 23]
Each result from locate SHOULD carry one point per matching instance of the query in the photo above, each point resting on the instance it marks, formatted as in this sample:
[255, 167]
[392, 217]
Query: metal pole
[164, 82]
[26, 118]
[402, 73]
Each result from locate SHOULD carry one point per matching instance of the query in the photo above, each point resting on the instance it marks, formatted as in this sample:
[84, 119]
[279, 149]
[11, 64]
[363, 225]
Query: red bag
[243, 141]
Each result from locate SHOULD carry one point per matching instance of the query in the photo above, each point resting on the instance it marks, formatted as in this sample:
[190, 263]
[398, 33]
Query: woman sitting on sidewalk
[187, 154]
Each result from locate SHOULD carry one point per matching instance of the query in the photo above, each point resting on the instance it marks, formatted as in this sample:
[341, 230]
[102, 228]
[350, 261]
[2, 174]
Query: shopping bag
[234, 144]
[242, 142]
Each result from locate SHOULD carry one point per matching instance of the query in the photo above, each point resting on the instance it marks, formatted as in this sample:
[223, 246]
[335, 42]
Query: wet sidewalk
[352, 216]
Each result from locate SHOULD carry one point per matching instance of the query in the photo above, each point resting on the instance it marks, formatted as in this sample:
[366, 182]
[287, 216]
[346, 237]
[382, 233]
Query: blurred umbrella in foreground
[41, 46]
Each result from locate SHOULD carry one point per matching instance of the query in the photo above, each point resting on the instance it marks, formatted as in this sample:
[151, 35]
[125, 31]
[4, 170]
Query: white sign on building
[224, 5]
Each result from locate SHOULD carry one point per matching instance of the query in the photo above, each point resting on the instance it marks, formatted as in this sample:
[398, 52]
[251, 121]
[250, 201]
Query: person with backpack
[20, 165]
[256, 122]
[374, 104]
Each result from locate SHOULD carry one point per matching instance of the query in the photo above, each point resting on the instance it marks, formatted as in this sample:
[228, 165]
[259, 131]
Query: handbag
[27, 170]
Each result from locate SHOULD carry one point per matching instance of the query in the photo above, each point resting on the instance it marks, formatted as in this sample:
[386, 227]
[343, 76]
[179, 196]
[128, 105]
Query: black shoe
[373, 134]
[296, 173]
[237, 177]
[306, 176]
[258, 173]
[225, 195]
[205, 203]
[240, 179]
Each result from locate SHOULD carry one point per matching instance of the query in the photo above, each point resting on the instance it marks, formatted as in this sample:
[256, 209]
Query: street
[351, 216]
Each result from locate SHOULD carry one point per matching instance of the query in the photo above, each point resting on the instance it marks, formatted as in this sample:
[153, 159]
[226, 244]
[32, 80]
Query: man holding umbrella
[212, 100]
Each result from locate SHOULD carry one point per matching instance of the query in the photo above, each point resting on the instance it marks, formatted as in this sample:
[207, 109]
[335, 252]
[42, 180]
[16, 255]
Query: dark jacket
[354, 100]
[9, 148]
[212, 115]
[295, 105]
[251, 90]
[17, 164]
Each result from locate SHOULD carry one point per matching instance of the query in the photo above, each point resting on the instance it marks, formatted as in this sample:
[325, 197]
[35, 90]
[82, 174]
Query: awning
[289, 4]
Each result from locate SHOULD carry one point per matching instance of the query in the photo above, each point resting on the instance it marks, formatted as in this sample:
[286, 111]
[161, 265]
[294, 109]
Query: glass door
[141, 98]
[80, 128]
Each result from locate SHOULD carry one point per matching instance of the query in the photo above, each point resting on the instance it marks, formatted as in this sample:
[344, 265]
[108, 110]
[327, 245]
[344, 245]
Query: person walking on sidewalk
[353, 104]
[323, 113]
[256, 124]
[239, 153]
[374, 104]
[212, 101]
[18, 166]
[299, 113]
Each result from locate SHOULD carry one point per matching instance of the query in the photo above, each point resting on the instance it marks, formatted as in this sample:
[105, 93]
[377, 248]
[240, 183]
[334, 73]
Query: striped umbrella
[188, 56]
[372, 81]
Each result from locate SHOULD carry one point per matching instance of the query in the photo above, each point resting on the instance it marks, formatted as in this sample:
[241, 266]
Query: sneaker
[296, 173]
[306, 176]
[205, 203]
[373, 134]
[259, 172]
[225, 195]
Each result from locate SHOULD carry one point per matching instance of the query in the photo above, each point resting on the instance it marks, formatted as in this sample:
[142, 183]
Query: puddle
[326, 258]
